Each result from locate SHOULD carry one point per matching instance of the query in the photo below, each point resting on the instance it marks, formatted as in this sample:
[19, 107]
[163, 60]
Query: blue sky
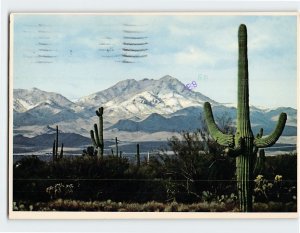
[77, 55]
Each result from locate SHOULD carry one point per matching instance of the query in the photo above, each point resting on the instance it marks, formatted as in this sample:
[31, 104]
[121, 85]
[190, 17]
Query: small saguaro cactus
[97, 135]
[243, 145]
[55, 154]
[138, 157]
[261, 158]
[117, 149]
[260, 163]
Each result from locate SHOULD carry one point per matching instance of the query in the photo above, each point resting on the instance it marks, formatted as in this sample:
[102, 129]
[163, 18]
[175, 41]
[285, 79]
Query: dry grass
[73, 205]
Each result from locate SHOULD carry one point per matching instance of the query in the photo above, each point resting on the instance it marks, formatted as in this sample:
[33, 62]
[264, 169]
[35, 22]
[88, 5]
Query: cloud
[194, 56]
[181, 46]
[179, 31]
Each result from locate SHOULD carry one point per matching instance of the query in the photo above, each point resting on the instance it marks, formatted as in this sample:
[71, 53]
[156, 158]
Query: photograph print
[166, 112]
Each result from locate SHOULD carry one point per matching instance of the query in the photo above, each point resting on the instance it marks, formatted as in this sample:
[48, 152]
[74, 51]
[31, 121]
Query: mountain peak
[168, 78]
[146, 96]
[126, 82]
[37, 90]
[123, 85]
[27, 99]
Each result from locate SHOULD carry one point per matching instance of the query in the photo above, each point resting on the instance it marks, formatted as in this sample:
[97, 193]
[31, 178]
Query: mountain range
[147, 106]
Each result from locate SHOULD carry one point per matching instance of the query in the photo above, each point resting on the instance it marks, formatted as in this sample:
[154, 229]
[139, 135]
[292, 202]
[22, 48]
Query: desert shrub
[192, 175]
[60, 191]
[30, 167]
[283, 164]
[276, 190]
[30, 178]
[197, 164]
[92, 179]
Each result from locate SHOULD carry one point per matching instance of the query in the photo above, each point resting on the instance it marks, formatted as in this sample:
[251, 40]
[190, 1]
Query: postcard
[153, 115]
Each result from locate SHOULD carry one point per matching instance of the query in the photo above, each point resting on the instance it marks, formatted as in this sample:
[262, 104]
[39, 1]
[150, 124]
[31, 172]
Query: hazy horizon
[77, 55]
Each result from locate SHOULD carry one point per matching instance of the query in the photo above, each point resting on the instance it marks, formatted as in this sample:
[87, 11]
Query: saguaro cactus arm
[97, 135]
[216, 133]
[273, 137]
[93, 138]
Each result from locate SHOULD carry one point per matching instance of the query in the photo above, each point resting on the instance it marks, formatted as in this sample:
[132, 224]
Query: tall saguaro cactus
[97, 135]
[243, 145]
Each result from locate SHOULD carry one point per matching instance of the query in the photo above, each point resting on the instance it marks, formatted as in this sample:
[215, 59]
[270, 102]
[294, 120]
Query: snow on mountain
[25, 100]
[190, 119]
[120, 90]
[37, 107]
[21, 105]
[126, 99]
[130, 98]
[44, 114]
[149, 105]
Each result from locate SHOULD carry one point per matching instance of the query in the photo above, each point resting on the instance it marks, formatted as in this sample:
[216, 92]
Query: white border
[122, 215]
[146, 226]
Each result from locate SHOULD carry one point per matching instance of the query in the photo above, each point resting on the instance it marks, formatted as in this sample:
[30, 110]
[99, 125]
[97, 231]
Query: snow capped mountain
[147, 105]
[130, 98]
[120, 89]
[25, 100]
[37, 107]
